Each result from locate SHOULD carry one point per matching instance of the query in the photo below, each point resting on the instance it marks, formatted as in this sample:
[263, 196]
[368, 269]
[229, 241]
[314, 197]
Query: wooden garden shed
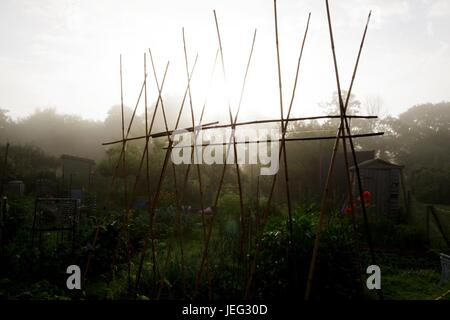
[76, 173]
[383, 180]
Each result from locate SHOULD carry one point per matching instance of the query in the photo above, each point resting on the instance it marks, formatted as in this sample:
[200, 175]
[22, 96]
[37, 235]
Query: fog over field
[65, 54]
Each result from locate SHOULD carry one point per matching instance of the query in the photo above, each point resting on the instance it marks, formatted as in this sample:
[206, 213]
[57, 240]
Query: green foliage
[413, 284]
[431, 185]
[335, 276]
[109, 248]
[411, 276]
[419, 139]
[28, 163]
[386, 233]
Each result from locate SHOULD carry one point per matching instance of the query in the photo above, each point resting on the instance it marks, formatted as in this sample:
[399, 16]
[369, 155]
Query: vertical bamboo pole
[241, 204]
[233, 122]
[291, 249]
[161, 178]
[2, 203]
[122, 158]
[272, 188]
[428, 226]
[147, 166]
[147, 169]
[152, 214]
[4, 169]
[344, 118]
[194, 152]
[186, 175]
[177, 224]
[196, 135]
[125, 178]
[147, 138]
[116, 172]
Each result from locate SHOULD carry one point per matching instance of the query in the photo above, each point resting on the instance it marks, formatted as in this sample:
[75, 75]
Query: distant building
[383, 180]
[339, 177]
[45, 188]
[15, 188]
[76, 173]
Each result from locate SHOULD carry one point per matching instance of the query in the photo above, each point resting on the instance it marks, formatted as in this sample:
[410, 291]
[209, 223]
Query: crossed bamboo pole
[238, 174]
[316, 138]
[159, 101]
[120, 159]
[126, 197]
[177, 229]
[283, 141]
[283, 133]
[144, 155]
[232, 125]
[196, 131]
[116, 168]
[155, 198]
[214, 125]
[153, 201]
[182, 195]
[344, 122]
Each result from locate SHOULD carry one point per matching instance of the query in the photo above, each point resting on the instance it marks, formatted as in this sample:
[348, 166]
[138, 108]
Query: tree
[5, 123]
[333, 108]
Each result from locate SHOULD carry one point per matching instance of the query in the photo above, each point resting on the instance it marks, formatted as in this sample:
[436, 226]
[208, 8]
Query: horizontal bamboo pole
[163, 133]
[213, 125]
[365, 135]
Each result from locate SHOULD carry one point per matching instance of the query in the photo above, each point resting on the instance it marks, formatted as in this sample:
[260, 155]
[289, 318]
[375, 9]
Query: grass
[417, 284]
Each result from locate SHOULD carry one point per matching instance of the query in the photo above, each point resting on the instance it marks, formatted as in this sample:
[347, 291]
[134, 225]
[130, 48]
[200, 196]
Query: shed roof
[74, 158]
[377, 164]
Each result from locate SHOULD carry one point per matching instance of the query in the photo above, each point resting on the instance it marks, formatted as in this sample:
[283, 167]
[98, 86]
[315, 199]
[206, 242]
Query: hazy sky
[65, 53]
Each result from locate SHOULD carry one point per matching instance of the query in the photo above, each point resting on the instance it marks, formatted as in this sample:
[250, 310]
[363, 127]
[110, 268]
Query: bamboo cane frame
[161, 178]
[186, 175]
[344, 126]
[283, 140]
[233, 122]
[215, 125]
[178, 208]
[323, 205]
[241, 203]
[110, 186]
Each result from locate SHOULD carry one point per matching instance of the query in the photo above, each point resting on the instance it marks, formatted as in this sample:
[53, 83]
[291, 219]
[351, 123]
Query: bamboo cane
[233, 122]
[343, 110]
[194, 149]
[363, 135]
[283, 148]
[161, 178]
[284, 129]
[111, 184]
[241, 203]
[177, 219]
[125, 178]
[215, 125]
